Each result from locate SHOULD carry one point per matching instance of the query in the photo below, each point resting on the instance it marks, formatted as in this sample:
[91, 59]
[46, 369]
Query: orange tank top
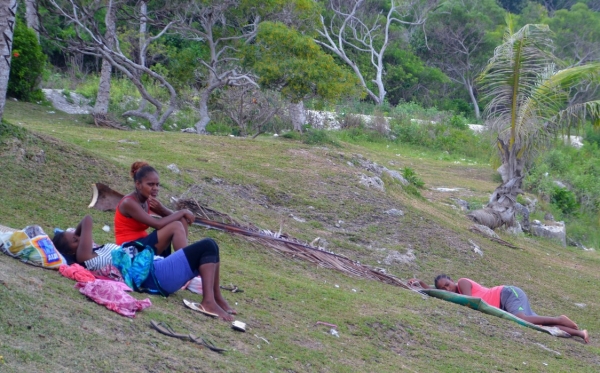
[128, 229]
[490, 295]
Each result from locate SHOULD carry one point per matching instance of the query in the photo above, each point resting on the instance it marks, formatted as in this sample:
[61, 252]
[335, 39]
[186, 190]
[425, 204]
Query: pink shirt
[490, 295]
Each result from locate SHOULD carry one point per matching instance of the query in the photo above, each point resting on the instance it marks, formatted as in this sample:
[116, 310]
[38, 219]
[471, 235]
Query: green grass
[48, 326]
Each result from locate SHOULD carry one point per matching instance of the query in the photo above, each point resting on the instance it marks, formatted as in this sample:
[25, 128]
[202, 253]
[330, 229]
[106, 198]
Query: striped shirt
[104, 257]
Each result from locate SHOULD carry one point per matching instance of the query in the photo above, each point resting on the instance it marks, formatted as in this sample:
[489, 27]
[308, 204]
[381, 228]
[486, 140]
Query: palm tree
[528, 102]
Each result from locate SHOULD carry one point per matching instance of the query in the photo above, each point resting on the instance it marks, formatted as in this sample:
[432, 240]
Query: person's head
[444, 282]
[66, 243]
[146, 179]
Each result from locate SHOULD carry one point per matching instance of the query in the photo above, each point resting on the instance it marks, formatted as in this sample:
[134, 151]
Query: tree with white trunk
[103, 95]
[8, 11]
[89, 40]
[352, 29]
[214, 24]
[32, 16]
[459, 40]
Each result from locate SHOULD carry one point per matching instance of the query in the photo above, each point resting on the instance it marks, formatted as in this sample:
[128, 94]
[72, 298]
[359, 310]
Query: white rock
[395, 212]
[441, 189]
[574, 141]
[477, 128]
[373, 182]
[173, 168]
[556, 231]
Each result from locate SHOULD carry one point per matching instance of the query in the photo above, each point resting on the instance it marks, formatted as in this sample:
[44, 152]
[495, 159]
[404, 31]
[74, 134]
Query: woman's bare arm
[134, 210]
[158, 208]
[464, 286]
[85, 246]
[414, 282]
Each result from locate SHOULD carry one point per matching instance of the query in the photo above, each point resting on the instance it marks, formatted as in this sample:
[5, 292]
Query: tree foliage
[28, 63]
[459, 39]
[529, 96]
[295, 65]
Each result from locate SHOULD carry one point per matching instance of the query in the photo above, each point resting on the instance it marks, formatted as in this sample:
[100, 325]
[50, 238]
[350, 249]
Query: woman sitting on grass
[508, 298]
[170, 274]
[132, 215]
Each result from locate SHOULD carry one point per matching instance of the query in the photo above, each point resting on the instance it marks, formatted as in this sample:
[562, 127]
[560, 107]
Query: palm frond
[528, 98]
[513, 73]
[578, 113]
[287, 245]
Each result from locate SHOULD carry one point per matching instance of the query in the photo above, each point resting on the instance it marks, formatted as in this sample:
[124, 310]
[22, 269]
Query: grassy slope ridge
[48, 326]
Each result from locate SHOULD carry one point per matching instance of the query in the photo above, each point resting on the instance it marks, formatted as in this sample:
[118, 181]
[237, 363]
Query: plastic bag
[31, 245]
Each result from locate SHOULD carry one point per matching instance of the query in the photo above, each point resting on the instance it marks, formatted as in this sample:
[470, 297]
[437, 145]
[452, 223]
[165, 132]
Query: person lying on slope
[508, 298]
[170, 274]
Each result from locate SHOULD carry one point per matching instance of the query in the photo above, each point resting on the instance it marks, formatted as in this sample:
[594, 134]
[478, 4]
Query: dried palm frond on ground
[485, 231]
[102, 120]
[285, 244]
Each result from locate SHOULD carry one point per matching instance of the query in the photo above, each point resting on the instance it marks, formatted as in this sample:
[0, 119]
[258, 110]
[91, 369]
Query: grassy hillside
[47, 326]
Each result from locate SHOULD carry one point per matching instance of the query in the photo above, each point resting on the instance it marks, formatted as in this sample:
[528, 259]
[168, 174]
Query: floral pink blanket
[112, 294]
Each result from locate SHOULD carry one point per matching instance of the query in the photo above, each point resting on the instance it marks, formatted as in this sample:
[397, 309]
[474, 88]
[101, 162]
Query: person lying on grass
[508, 298]
[132, 215]
[170, 274]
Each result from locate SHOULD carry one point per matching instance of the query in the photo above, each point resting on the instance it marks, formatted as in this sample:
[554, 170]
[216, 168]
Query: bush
[458, 121]
[318, 137]
[220, 128]
[565, 200]
[411, 176]
[292, 135]
[27, 65]
[441, 137]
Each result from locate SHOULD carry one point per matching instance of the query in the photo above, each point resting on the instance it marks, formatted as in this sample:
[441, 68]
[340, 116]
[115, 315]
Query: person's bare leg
[207, 272]
[564, 317]
[218, 295]
[549, 321]
[583, 334]
[173, 233]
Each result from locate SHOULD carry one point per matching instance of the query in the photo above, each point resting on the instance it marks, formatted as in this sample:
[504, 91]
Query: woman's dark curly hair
[139, 170]
[439, 277]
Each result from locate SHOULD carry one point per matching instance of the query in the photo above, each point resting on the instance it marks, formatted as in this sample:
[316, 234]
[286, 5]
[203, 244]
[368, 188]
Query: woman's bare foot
[586, 336]
[213, 307]
[224, 305]
[567, 322]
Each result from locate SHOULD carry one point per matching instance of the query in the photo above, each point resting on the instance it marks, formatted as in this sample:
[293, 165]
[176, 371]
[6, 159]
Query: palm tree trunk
[501, 207]
[8, 10]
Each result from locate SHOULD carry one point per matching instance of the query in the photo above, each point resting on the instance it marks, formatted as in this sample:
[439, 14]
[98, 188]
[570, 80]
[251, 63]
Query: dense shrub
[579, 206]
[441, 137]
[27, 65]
[565, 200]
[318, 137]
